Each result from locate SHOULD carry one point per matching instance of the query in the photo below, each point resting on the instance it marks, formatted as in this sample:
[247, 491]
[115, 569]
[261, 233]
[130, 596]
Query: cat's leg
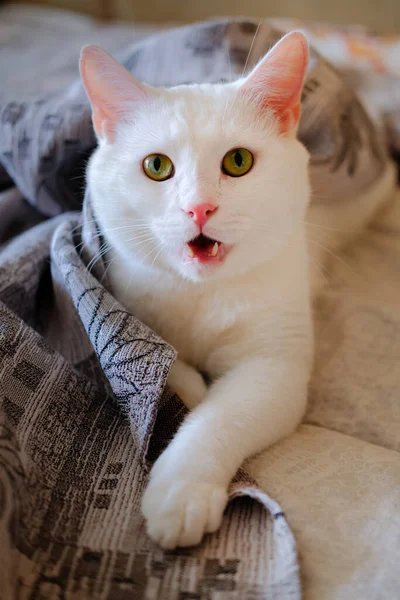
[251, 407]
[187, 382]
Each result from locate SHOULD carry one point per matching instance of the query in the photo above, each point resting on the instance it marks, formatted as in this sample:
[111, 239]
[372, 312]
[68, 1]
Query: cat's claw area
[179, 513]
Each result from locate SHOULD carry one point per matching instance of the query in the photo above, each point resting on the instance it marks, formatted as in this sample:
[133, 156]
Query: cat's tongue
[204, 249]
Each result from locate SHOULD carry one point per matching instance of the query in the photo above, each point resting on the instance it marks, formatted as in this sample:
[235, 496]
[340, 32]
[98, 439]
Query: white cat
[201, 192]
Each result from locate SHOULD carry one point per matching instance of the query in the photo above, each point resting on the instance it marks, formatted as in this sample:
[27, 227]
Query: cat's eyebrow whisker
[230, 64]
[228, 105]
[251, 48]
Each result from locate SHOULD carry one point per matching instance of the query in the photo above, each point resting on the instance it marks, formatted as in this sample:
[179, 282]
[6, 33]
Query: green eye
[237, 162]
[158, 167]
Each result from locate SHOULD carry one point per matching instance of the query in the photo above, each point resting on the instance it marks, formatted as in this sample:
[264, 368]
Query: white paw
[180, 512]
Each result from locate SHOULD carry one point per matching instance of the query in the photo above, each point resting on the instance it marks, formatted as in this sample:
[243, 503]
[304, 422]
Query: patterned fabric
[84, 407]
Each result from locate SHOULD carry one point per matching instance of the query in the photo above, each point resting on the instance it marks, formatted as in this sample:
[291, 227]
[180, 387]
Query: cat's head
[204, 180]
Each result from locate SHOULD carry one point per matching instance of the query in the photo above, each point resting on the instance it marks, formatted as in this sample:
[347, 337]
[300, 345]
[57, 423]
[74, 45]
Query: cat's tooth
[189, 251]
[214, 250]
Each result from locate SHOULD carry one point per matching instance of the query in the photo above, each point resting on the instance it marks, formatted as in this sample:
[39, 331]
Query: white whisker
[251, 48]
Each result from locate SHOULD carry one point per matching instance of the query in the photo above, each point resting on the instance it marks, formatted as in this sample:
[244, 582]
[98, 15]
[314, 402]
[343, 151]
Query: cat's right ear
[113, 92]
[276, 83]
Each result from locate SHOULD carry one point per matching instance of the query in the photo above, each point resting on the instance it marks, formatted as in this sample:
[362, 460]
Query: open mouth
[204, 249]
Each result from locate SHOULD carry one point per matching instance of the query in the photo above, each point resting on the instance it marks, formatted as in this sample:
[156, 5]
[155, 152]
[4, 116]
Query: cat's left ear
[277, 81]
[113, 92]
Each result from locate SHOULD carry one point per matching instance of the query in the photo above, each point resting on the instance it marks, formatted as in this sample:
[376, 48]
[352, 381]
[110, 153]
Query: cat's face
[203, 180]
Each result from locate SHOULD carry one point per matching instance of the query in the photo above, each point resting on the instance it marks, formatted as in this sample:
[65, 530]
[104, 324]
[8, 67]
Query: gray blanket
[84, 403]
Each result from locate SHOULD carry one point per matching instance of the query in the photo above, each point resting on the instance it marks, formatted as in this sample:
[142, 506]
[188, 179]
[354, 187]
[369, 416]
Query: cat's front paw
[180, 512]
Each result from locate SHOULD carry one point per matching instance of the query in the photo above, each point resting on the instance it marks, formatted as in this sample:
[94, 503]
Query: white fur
[246, 323]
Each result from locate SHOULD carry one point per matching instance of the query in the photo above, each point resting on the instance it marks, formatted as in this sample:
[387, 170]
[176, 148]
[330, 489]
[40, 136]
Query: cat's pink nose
[200, 213]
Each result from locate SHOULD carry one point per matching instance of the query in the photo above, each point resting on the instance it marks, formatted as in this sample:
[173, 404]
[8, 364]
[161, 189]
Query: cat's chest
[194, 323]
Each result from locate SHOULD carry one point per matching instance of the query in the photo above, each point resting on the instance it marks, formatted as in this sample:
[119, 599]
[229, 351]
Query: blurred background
[381, 15]
[40, 40]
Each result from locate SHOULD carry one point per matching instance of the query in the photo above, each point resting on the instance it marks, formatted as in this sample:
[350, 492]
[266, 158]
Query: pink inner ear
[277, 82]
[113, 91]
